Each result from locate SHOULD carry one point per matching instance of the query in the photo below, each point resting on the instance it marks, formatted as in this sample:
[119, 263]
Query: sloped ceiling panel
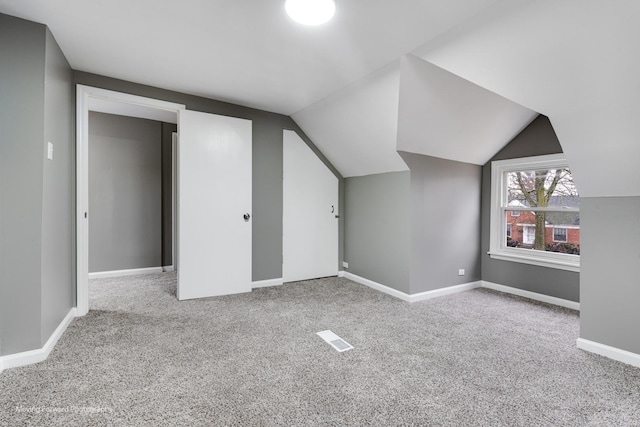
[248, 52]
[602, 146]
[443, 115]
[572, 60]
[356, 127]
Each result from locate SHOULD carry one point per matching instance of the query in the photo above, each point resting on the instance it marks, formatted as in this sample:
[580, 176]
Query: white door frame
[174, 198]
[85, 97]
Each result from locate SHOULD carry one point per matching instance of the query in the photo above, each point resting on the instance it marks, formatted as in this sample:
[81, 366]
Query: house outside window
[546, 229]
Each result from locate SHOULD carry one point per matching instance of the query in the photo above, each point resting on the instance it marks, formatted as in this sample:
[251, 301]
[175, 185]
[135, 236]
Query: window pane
[542, 188]
[534, 230]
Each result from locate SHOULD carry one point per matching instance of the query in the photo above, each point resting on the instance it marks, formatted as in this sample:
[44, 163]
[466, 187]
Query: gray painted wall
[58, 200]
[377, 227]
[22, 49]
[125, 193]
[267, 165]
[267, 200]
[536, 139]
[36, 208]
[610, 256]
[445, 222]
[167, 193]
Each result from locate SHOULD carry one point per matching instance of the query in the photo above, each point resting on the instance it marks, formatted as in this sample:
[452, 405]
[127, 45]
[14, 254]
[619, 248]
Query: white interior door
[214, 194]
[310, 210]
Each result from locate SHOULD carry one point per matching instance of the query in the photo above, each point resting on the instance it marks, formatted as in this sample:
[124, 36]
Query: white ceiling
[574, 60]
[248, 52]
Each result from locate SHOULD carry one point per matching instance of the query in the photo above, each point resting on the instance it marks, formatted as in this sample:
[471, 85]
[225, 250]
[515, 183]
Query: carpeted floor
[479, 358]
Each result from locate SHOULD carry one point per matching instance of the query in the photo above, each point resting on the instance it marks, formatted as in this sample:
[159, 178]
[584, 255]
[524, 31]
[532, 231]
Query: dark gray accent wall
[377, 228]
[58, 200]
[538, 138]
[445, 222]
[36, 208]
[610, 256]
[267, 164]
[125, 192]
[167, 193]
[267, 200]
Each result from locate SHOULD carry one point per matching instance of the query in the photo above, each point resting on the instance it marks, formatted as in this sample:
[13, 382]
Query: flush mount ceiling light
[310, 12]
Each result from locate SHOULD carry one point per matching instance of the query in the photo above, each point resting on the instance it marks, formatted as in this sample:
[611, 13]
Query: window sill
[544, 259]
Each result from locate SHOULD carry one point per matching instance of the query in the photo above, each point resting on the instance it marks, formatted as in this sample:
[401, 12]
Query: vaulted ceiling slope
[247, 52]
[413, 106]
[575, 61]
[357, 126]
[442, 115]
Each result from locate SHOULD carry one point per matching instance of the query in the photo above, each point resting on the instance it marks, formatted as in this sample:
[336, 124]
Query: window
[560, 234]
[540, 191]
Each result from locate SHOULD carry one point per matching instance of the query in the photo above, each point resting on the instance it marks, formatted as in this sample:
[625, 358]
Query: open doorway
[130, 195]
[96, 100]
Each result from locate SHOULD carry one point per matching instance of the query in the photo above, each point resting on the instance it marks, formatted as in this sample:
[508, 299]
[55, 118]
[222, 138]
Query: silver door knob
[246, 217]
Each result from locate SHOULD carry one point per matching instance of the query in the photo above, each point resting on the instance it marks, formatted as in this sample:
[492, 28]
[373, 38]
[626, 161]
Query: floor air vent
[336, 342]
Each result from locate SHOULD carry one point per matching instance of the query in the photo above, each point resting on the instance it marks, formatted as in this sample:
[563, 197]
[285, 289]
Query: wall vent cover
[335, 341]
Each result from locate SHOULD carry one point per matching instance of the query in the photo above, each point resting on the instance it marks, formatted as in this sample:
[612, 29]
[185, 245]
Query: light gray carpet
[479, 358]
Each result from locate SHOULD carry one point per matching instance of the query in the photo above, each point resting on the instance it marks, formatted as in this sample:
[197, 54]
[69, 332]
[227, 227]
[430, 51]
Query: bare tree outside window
[550, 189]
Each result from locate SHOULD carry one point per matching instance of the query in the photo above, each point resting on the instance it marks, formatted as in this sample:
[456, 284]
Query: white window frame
[498, 248]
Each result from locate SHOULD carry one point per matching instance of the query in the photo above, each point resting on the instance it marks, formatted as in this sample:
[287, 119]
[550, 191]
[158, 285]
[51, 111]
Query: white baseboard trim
[460, 288]
[130, 272]
[532, 295]
[444, 291]
[411, 297]
[167, 268]
[377, 286]
[614, 353]
[267, 283]
[34, 356]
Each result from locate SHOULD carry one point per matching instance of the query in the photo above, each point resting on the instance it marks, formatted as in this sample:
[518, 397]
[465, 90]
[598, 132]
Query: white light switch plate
[50, 150]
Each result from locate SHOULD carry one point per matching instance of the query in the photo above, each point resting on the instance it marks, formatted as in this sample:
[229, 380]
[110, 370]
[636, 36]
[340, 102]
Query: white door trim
[174, 198]
[85, 95]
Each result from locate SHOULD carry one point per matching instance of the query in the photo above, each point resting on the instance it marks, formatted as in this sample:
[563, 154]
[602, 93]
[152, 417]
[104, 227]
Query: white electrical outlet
[345, 264]
[461, 272]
